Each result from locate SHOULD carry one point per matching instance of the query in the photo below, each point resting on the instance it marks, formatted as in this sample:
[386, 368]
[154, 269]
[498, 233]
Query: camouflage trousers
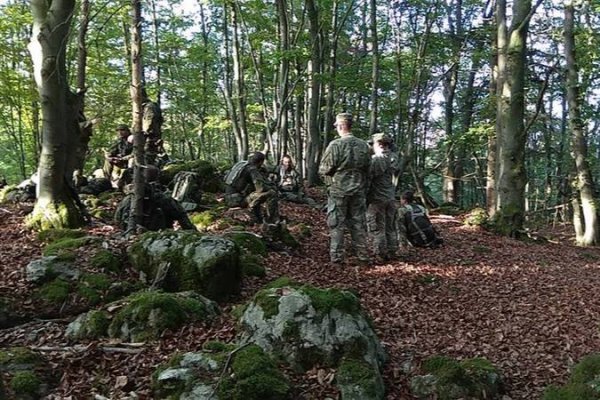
[381, 224]
[347, 212]
[255, 201]
[296, 197]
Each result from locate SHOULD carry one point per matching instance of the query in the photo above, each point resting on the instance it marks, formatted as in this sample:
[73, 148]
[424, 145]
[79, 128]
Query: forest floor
[530, 308]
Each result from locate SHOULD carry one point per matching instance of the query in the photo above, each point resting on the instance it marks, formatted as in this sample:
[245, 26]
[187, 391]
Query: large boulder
[306, 326]
[146, 315]
[47, 268]
[251, 375]
[184, 260]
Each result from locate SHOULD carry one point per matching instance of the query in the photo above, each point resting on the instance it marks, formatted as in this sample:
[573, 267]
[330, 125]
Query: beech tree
[55, 206]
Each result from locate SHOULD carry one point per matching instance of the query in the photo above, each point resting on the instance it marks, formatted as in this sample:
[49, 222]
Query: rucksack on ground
[419, 229]
[187, 187]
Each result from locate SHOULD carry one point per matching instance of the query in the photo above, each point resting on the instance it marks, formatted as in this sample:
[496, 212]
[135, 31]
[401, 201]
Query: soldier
[152, 121]
[247, 186]
[381, 210]
[290, 187]
[160, 210]
[118, 156]
[345, 165]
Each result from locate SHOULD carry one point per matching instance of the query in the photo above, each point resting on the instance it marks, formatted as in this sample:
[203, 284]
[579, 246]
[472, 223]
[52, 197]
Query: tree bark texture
[55, 206]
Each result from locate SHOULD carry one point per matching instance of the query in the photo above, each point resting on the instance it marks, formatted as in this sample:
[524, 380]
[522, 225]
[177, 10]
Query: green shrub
[584, 383]
[25, 382]
[477, 217]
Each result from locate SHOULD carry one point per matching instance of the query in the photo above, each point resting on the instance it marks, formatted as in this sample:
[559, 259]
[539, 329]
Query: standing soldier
[345, 165]
[381, 212]
[152, 121]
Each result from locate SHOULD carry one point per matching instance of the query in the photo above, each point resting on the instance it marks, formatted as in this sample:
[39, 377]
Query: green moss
[214, 346]
[584, 382]
[97, 323]
[53, 235]
[291, 330]
[93, 287]
[148, 314]
[5, 191]
[18, 356]
[268, 301]
[66, 245]
[248, 242]
[357, 372]
[254, 377]
[203, 220]
[474, 377]
[58, 215]
[252, 266]
[106, 260]
[56, 291]
[25, 382]
[481, 249]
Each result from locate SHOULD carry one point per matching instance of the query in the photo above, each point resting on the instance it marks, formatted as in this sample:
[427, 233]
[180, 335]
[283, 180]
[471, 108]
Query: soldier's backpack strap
[235, 172]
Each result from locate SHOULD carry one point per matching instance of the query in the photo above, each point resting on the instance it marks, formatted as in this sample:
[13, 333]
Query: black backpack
[420, 231]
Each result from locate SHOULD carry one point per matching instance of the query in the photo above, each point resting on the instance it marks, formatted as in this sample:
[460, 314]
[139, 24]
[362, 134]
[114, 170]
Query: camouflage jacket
[122, 149]
[381, 186]
[345, 165]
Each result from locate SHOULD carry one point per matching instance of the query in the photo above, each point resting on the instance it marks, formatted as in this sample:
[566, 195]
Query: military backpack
[420, 231]
[234, 174]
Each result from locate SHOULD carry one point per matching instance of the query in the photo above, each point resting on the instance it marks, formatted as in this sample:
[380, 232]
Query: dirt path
[531, 309]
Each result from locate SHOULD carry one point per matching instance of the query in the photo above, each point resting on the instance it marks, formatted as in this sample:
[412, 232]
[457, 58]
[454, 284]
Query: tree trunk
[239, 89]
[137, 203]
[55, 206]
[511, 133]
[375, 69]
[314, 97]
[584, 181]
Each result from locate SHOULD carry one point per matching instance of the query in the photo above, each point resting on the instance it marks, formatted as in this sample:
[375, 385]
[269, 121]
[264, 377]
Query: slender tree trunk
[239, 88]
[314, 97]
[584, 181]
[55, 206]
[375, 69]
[155, 25]
[137, 203]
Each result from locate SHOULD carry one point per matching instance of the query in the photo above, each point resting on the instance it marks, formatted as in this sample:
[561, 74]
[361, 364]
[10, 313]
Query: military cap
[382, 138]
[122, 127]
[345, 117]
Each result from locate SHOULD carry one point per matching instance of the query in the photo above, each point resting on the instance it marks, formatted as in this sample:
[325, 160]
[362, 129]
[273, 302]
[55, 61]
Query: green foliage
[477, 217]
[248, 242]
[55, 235]
[18, 356]
[25, 382]
[64, 246]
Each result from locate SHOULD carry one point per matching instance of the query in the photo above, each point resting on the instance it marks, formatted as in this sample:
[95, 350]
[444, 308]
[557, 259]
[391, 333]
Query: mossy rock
[189, 261]
[67, 245]
[93, 287]
[212, 219]
[583, 384]
[248, 242]
[5, 191]
[211, 182]
[358, 380]
[477, 217]
[106, 260]
[450, 379]
[27, 374]
[91, 325]
[54, 292]
[52, 235]
[253, 266]
[148, 314]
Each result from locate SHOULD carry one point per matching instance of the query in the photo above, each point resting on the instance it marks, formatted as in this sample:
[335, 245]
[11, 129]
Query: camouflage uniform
[160, 210]
[117, 159]
[345, 165]
[381, 212]
[290, 188]
[252, 189]
[152, 121]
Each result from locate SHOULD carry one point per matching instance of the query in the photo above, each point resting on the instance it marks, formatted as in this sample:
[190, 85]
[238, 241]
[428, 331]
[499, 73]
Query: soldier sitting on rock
[118, 157]
[289, 185]
[160, 210]
[247, 186]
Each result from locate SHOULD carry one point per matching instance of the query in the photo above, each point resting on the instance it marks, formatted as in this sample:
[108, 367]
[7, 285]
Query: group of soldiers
[362, 196]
